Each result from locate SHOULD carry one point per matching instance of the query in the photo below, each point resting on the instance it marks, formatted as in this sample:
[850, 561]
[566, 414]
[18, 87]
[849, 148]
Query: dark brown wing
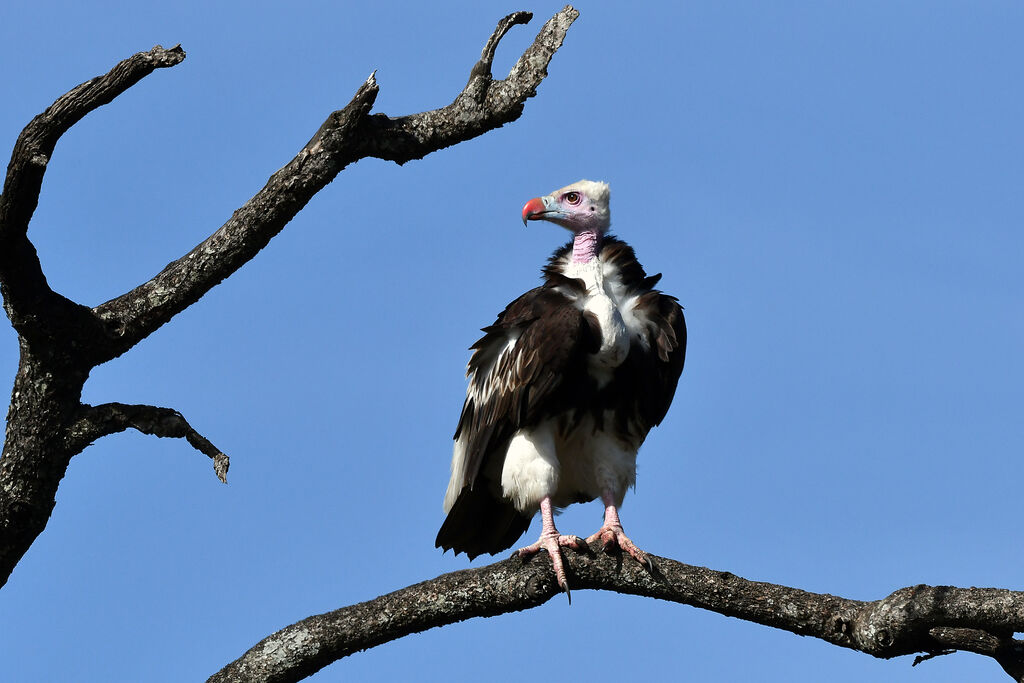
[528, 362]
[532, 355]
[651, 371]
[645, 383]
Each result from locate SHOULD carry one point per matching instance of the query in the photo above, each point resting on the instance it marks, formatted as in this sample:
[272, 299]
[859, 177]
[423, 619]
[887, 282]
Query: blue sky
[833, 191]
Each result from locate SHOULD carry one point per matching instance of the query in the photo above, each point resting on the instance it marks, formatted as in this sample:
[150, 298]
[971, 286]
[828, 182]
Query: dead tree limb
[920, 619]
[95, 422]
[61, 340]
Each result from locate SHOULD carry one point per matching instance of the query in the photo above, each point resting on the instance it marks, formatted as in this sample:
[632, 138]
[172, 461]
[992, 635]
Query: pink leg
[551, 541]
[611, 533]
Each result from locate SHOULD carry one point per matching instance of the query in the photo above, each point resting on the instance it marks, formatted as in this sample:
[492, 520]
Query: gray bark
[931, 620]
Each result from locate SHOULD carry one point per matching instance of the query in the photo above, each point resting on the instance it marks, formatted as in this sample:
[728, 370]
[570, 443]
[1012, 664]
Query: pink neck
[584, 246]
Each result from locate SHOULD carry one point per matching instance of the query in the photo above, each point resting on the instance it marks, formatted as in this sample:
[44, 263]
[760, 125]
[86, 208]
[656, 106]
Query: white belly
[569, 460]
[566, 464]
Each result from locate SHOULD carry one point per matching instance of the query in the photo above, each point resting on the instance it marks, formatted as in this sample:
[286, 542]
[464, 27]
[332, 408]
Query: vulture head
[580, 207]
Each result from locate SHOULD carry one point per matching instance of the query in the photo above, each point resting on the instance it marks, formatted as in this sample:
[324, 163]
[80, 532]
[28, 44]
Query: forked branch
[62, 340]
[347, 135]
[34, 310]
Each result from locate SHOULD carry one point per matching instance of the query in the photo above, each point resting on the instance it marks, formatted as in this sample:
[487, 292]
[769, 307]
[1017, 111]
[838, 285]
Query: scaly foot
[553, 542]
[611, 535]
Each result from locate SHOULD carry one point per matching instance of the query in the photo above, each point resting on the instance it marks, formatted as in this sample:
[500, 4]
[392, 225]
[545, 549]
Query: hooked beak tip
[532, 208]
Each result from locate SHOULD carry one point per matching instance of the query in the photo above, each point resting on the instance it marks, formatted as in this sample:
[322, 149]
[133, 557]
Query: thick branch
[111, 418]
[346, 136]
[918, 619]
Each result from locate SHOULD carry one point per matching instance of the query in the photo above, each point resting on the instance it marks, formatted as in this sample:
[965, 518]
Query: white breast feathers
[602, 301]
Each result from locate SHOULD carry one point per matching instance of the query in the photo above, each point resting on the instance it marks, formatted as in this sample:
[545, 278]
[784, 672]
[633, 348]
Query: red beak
[533, 207]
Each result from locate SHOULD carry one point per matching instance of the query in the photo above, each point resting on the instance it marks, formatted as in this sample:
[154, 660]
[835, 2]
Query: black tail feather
[481, 523]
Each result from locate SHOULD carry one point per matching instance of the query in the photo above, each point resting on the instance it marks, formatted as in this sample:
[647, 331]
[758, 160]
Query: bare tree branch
[930, 619]
[110, 418]
[62, 340]
[36, 312]
[346, 136]
[35, 145]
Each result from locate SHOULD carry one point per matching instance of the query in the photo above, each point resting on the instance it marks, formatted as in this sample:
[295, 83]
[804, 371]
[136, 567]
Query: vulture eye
[573, 197]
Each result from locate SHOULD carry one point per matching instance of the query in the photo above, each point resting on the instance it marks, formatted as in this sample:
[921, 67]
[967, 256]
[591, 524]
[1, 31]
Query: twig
[110, 418]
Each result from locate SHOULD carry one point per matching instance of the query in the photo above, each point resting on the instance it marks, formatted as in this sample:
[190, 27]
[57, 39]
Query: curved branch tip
[165, 57]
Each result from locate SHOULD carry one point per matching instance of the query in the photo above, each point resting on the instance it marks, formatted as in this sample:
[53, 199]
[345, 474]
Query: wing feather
[521, 365]
[651, 371]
